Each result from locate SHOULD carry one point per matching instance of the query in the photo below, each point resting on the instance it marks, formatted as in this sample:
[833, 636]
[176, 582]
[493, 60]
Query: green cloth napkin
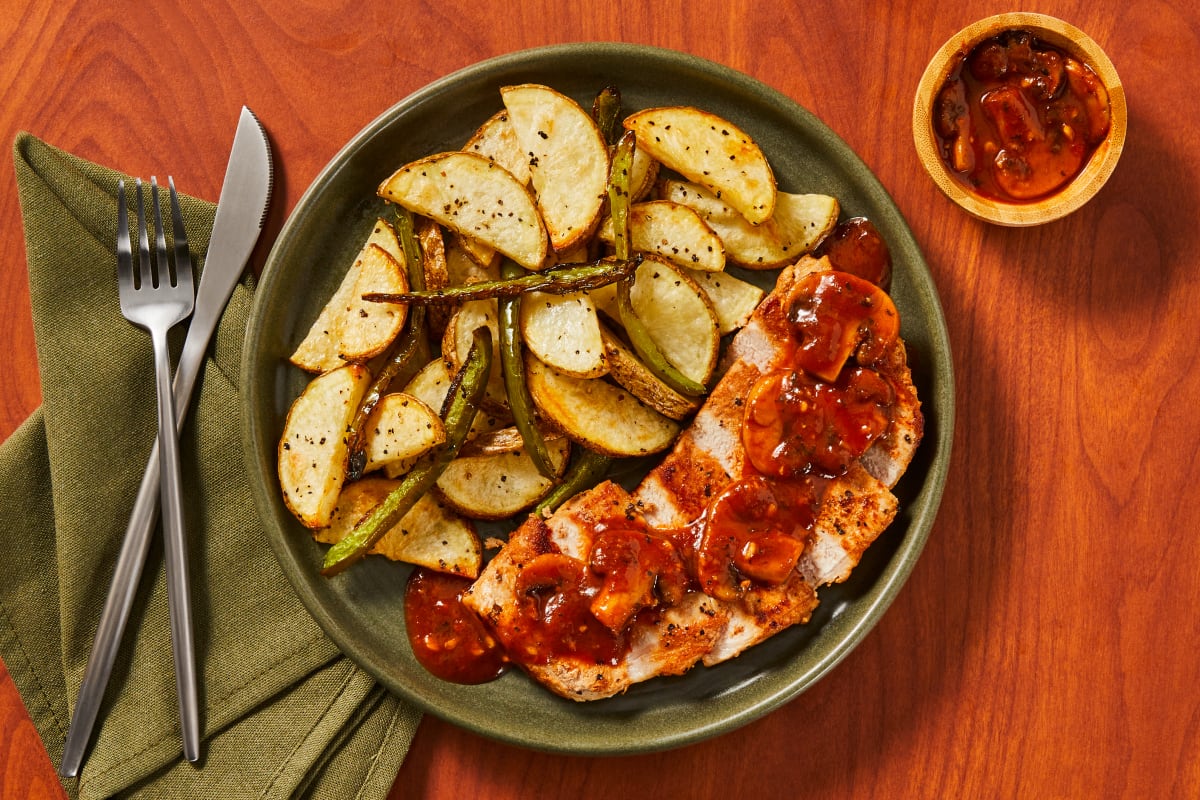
[285, 714]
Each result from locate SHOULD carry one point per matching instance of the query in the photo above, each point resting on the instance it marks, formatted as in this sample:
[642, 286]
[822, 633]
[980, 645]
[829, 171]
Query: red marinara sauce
[1018, 118]
[447, 638]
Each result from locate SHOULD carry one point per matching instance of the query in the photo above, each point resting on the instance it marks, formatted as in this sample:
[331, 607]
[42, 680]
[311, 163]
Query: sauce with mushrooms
[1018, 118]
[804, 423]
[856, 246]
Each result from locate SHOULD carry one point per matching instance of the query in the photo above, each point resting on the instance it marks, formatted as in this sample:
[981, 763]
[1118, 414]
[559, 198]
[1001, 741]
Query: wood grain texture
[1047, 643]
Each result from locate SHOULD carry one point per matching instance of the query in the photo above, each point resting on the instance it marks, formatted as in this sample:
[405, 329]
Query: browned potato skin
[627, 370]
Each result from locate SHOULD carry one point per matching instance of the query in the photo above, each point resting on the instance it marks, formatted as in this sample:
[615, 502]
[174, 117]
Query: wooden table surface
[1046, 645]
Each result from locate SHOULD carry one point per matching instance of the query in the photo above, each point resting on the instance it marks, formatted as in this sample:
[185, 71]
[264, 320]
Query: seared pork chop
[659, 628]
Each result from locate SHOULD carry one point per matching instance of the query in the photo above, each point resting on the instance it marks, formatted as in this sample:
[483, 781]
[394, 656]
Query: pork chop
[668, 632]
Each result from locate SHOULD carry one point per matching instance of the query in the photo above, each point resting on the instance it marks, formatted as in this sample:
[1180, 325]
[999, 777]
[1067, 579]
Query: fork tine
[124, 246]
[145, 274]
[183, 258]
[163, 274]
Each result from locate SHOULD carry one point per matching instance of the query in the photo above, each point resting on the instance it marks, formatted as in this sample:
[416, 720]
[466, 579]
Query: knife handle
[115, 614]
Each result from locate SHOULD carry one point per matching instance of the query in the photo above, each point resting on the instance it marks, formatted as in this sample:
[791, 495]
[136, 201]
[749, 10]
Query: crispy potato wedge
[434, 268]
[597, 414]
[429, 535]
[677, 313]
[365, 330]
[567, 156]
[627, 370]
[679, 317]
[456, 343]
[672, 231]
[642, 175]
[804, 220]
[496, 139]
[464, 268]
[400, 428]
[485, 256]
[563, 331]
[431, 385]
[798, 225]
[312, 449]
[500, 441]
[319, 350]
[501, 485]
[752, 246]
[474, 196]
[710, 151]
[433, 253]
[733, 300]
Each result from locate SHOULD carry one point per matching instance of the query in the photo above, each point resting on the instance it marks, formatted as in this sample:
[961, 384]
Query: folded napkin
[284, 713]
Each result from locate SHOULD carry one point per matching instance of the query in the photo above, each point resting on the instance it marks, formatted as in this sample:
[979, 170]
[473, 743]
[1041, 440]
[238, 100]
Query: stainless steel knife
[241, 212]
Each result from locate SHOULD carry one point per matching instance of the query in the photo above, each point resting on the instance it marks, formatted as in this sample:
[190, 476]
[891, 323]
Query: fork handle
[135, 547]
[175, 555]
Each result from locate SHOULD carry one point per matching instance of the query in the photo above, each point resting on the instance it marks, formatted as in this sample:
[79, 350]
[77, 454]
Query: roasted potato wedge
[473, 195]
[500, 485]
[484, 256]
[434, 269]
[673, 231]
[627, 370]
[568, 160]
[799, 223]
[319, 351]
[710, 151]
[365, 330]
[676, 312]
[751, 246]
[456, 343]
[501, 440]
[430, 535]
[431, 384]
[802, 221]
[562, 330]
[496, 139]
[433, 253]
[312, 449]
[597, 414]
[642, 175]
[464, 268]
[732, 299]
[400, 428]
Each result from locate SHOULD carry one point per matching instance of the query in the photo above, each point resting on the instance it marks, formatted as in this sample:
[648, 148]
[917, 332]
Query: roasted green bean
[512, 362]
[459, 411]
[402, 353]
[639, 337]
[562, 279]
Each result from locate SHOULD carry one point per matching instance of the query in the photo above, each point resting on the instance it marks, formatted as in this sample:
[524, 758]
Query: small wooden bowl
[1093, 175]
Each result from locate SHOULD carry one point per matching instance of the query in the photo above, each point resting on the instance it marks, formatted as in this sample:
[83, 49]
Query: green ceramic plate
[362, 609]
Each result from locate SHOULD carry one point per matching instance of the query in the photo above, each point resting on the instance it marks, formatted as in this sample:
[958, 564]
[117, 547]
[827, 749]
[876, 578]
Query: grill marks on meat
[708, 457]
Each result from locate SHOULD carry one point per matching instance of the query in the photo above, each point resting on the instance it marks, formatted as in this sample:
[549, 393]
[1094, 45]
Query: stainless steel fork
[157, 296]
